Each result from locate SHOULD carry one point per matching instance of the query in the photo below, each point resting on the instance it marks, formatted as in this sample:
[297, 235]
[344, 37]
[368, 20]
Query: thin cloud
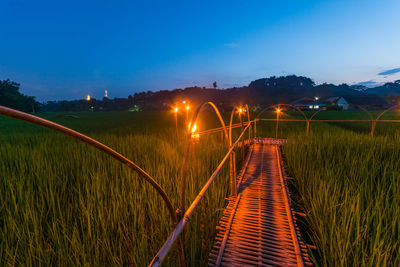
[231, 45]
[370, 83]
[389, 72]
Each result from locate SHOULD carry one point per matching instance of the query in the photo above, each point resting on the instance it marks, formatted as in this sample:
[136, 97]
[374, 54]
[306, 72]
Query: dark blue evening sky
[67, 49]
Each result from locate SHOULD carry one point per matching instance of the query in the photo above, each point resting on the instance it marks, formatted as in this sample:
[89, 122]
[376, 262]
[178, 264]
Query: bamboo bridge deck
[258, 227]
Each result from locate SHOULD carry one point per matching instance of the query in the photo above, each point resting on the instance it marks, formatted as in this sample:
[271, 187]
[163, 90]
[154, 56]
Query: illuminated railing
[180, 217]
[311, 119]
[308, 121]
[185, 214]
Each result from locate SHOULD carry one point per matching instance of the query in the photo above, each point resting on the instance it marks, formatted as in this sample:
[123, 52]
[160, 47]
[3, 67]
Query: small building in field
[352, 102]
[307, 103]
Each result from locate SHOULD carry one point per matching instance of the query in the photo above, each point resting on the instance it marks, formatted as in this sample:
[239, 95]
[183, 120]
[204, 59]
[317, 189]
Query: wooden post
[373, 125]
[241, 120]
[277, 125]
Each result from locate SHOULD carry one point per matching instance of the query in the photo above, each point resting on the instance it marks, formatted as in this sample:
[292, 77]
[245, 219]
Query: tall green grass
[64, 203]
[350, 189]
[348, 185]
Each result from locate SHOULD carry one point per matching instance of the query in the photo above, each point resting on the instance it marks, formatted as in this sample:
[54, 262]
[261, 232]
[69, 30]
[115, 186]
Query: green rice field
[65, 203]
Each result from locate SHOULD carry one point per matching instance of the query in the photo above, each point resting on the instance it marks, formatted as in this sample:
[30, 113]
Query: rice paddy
[64, 203]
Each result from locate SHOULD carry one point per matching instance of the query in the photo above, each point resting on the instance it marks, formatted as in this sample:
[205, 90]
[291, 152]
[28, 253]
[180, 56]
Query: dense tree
[12, 98]
[261, 92]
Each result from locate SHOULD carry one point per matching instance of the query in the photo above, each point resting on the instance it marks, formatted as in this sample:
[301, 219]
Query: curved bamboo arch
[369, 114]
[279, 105]
[359, 106]
[315, 113]
[187, 149]
[365, 110]
[230, 125]
[232, 159]
[288, 105]
[386, 110]
[231, 121]
[248, 120]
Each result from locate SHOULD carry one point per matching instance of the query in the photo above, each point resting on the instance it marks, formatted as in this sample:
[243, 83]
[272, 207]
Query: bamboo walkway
[258, 227]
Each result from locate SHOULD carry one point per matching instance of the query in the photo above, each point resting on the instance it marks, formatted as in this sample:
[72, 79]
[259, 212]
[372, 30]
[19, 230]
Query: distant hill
[264, 91]
[388, 89]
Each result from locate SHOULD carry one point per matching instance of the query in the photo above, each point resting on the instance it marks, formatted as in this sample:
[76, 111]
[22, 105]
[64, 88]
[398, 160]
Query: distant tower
[106, 93]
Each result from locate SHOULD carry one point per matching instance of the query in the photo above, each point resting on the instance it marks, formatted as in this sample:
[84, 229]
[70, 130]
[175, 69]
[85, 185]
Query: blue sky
[67, 49]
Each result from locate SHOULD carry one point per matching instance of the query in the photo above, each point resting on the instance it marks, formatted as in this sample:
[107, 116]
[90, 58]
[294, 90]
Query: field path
[257, 228]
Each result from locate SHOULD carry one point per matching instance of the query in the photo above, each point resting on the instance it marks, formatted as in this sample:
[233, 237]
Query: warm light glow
[175, 110]
[187, 107]
[88, 98]
[240, 110]
[194, 135]
[278, 111]
[184, 101]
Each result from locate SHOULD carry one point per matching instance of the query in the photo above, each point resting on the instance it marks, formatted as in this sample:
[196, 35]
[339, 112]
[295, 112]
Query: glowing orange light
[240, 110]
[194, 128]
[187, 107]
[176, 110]
[278, 111]
[88, 98]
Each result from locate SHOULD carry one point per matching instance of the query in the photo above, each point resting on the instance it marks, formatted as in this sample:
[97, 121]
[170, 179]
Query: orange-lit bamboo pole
[241, 122]
[8, 112]
[274, 106]
[187, 149]
[379, 116]
[162, 253]
[248, 120]
[232, 157]
[373, 122]
[278, 111]
[176, 121]
[288, 105]
[219, 129]
[386, 110]
[187, 114]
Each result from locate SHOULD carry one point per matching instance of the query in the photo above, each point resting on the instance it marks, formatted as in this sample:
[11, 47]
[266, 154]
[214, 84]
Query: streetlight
[187, 113]
[315, 101]
[176, 119]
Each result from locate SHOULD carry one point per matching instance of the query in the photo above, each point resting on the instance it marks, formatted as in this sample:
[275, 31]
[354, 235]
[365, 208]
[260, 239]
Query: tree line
[261, 92]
